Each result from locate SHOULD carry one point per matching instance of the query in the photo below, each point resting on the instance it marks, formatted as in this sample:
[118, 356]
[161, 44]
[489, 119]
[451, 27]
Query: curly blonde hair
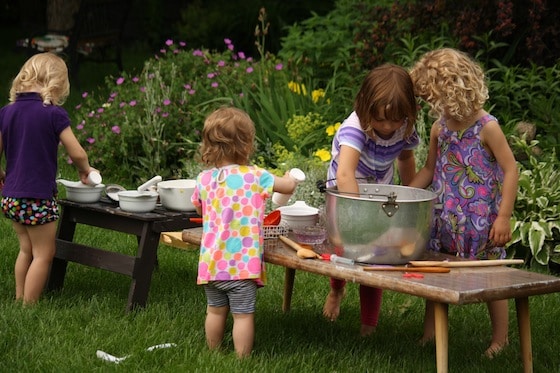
[387, 91]
[46, 73]
[228, 136]
[451, 82]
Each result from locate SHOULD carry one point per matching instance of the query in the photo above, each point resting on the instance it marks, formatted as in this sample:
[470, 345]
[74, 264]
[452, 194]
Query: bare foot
[366, 330]
[331, 309]
[426, 338]
[495, 349]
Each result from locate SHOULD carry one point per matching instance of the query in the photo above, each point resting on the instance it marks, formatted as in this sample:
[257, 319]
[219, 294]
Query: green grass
[64, 331]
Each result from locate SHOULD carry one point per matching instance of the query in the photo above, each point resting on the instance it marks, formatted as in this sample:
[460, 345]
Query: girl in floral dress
[472, 169]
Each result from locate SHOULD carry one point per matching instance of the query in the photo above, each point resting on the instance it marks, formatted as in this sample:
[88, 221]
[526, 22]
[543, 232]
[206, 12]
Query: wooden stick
[408, 269]
[465, 263]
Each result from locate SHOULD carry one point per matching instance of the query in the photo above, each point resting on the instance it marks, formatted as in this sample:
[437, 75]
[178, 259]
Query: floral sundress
[468, 181]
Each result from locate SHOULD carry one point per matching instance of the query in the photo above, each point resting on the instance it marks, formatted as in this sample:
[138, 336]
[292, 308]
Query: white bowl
[134, 201]
[78, 192]
[299, 215]
[176, 194]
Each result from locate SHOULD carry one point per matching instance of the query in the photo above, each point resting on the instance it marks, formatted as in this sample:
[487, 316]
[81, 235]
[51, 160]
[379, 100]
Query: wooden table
[459, 286]
[145, 226]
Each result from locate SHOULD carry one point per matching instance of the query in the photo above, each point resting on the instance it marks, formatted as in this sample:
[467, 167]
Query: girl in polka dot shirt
[231, 197]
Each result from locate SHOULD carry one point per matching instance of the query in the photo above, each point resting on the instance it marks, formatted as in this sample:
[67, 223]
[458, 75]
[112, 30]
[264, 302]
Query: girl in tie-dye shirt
[231, 197]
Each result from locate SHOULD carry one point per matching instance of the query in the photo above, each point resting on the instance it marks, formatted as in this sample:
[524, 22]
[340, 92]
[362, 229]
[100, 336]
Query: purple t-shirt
[30, 137]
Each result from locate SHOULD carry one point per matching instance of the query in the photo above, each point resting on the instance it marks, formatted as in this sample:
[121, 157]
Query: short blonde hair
[387, 91]
[228, 136]
[45, 71]
[451, 82]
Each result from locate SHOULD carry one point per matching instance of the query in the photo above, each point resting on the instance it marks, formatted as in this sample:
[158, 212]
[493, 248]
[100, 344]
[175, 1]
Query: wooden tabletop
[459, 286]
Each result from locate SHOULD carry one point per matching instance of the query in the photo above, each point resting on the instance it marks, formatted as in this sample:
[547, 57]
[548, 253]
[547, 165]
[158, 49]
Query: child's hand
[500, 233]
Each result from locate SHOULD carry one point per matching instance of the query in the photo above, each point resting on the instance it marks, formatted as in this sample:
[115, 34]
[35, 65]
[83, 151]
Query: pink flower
[192, 92]
[166, 101]
[211, 75]
[182, 43]
[78, 106]
[230, 47]
[142, 89]
[116, 129]
[241, 55]
[135, 79]
[215, 85]
[84, 95]
[132, 103]
[81, 125]
[120, 80]
[169, 42]
[122, 104]
[198, 53]
[175, 51]
[227, 41]
[100, 110]
[162, 51]
[249, 70]
[187, 86]
[113, 94]
[221, 63]
[90, 140]
[165, 115]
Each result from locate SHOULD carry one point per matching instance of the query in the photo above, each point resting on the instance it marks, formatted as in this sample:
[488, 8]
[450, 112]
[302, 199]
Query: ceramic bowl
[134, 201]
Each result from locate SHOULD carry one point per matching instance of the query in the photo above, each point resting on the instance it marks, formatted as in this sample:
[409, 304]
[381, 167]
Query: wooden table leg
[289, 276]
[57, 272]
[524, 324]
[442, 336]
[143, 268]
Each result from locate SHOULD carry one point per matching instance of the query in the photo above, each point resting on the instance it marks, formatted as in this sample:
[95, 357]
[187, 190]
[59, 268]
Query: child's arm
[425, 176]
[2, 172]
[494, 140]
[348, 159]
[407, 166]
[76, 152]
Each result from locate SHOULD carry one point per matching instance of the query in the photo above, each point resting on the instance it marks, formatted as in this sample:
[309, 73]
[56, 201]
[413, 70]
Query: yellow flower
[317, 94]
[297, 88]
[323, 154]
[331, 130]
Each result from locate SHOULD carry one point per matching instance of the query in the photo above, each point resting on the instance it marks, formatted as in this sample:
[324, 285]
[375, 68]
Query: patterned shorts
[239, 295]
[30, 211]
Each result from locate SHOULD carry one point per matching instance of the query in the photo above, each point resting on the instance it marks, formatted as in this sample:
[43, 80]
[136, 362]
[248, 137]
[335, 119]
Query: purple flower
[250, 59]
[211, 75]
[169, 42]
[192, 92]
[142, 89]
[227, 41]
[90, 140]
[116, 129]
[221, 63]
[78, 106]
[132, 103]
[241, 55]
[214, 84]
[165, 115]
[175, 51]
[182, 43]
[162, 51]
[81, 125]
[279, 66]
[198, 53]
[100, 110]
[122, 104]
[187, 86]
[166, 101]
[84, 95]
[230, 47]
[120, 80]
[113, 94]
[249, 70]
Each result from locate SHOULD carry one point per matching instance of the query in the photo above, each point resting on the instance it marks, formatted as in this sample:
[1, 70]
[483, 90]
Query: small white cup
[282, 199]
[94, 178]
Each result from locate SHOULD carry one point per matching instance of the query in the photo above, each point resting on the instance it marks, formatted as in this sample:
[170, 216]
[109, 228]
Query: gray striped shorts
[239, 295]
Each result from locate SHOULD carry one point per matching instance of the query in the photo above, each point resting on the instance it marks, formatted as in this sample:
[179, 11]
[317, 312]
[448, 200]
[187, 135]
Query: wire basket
[273, 231]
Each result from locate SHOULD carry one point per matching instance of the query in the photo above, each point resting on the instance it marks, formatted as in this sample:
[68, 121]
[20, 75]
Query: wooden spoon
[301, 252]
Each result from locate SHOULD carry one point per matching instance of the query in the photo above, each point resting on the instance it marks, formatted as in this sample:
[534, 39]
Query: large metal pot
[383, 224]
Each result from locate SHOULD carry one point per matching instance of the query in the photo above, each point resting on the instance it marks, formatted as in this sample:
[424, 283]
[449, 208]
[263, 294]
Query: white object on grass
[113, 359]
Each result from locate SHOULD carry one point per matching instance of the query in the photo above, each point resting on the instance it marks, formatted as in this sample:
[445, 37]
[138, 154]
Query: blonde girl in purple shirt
[32, 126]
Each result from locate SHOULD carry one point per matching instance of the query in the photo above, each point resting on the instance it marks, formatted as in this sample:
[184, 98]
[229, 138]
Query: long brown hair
[387, 91]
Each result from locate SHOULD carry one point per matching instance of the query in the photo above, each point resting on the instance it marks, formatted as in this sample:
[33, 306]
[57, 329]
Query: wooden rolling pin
[408, 269]
[465, 263]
